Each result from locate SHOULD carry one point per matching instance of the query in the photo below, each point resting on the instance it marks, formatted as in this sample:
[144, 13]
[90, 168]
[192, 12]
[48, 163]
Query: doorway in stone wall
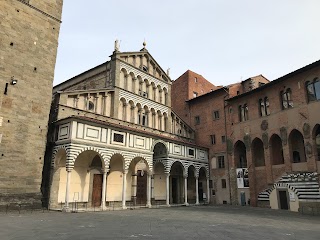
[283, 199]
[97, 190]
[141, 187]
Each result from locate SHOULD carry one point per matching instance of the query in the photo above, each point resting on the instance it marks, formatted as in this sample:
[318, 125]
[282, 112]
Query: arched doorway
[258, 152]
[86, 179]
[296, 146]
[177, 183]
[138, 170]
[276, 151]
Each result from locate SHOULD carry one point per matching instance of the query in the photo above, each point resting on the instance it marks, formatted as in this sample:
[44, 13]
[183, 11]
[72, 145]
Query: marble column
[167, 189]
[124, 188]
[208, 191]
[197, 191]
[186, 190]
[66, 204]
[149, 190]
[104, 184]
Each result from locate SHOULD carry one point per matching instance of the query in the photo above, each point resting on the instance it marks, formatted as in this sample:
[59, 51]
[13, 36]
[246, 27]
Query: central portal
[97, 190]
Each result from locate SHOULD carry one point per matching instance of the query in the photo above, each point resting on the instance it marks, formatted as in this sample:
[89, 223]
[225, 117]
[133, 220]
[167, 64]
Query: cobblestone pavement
[201, 222]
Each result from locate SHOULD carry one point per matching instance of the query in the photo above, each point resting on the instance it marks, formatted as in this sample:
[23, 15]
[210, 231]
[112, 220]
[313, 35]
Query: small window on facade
[221, 162]
[243, 113]
[91, 106]
[195, 79]
[313, 90]
[191, 152]
[223, 139]
[118, 137]
[264, 107]
[286, 99]
[223, 183]
[145, 68]
[195, 94]
[213, 139]
[216, 115]
[238, 92]
[197, 120]
[261, 84]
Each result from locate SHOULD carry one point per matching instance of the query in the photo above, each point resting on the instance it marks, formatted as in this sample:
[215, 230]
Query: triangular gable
[128, 58]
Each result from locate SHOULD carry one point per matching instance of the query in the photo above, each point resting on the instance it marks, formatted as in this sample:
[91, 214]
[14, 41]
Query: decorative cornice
[39, 10]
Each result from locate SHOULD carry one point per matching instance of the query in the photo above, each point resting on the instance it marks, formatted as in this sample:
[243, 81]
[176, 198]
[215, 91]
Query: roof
[278, 80]
[104, 123]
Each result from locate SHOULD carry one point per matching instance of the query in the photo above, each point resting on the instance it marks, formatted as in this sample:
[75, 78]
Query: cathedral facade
[114, 140]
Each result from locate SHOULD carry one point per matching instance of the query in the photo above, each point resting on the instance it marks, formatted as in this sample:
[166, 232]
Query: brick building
[247, 128]
[29, 39]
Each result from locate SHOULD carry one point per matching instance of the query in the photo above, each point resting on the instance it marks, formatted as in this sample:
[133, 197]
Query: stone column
[104, 184]
[149, 190]
[167, 189]
[197, 190]
[124, 188]
[66, 205]
[208, 191]
[186, 190]
[134, 188]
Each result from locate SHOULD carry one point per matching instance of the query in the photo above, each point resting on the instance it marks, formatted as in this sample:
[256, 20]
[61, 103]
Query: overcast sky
[223, 40]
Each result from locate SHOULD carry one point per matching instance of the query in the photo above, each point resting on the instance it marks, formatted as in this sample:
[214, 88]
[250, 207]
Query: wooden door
[141, 188]
[97, 190]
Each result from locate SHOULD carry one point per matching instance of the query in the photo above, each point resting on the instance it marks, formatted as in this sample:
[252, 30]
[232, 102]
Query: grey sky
[222, 40]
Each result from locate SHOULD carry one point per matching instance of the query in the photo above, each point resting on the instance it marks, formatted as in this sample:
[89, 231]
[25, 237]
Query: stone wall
[28, 47]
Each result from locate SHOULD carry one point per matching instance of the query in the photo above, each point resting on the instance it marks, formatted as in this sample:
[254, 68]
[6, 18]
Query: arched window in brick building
[264, 107]
[286, 99]
[243, 113]
[313, 90]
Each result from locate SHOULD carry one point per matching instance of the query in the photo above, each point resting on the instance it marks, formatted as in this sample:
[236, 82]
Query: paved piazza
[214, 222]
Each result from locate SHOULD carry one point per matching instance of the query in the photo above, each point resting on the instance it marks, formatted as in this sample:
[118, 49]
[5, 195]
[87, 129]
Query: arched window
[313, 90]
[286, 99]
[264, 107]
[243, 113]
[91, 106]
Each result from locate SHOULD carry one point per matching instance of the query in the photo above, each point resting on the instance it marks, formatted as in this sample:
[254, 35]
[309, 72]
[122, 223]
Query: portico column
[66, 204]
[186, 190]
[104, 183]
[167, 189]
[149, 190]
[208, 190]
[124, 188]
[197, 191]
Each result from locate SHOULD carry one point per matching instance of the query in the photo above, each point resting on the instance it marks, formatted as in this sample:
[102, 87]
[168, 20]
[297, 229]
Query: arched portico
[177, 183]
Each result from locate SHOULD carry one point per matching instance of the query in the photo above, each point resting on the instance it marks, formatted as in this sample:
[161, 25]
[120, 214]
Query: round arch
[240, 154]
[276, 151]
[296, 147]
[258, 152]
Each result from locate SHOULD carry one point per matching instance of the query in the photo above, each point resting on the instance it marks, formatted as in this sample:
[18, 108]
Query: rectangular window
[191, 152]
[118, 137]
[286, 100]
[223, 183]
[223, 139]
[213, 139]
[197, 120]
[264, 107]
[216, 115]
[221, 162]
